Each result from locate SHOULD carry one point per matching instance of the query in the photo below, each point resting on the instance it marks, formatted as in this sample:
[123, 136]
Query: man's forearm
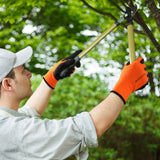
[40, 98]
[105, 113]
[133, 77]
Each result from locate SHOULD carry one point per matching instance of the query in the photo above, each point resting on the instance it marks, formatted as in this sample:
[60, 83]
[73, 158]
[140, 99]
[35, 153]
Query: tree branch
[98, 11]
[123, 3]
[159, 1]
[154, 11]
[115, 4]
[138, 18]
[147, 30]
[111, 16]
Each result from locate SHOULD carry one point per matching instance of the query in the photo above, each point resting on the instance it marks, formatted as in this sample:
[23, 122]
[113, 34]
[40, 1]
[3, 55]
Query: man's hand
[54, 74]
[132, 78]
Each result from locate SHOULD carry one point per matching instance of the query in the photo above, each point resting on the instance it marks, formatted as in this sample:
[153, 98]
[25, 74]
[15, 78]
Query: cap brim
[23, 56]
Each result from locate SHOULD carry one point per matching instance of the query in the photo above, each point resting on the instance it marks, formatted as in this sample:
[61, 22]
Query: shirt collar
[11, 111]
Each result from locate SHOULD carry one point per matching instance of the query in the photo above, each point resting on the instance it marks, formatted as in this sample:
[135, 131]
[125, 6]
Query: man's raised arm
[132, 78]
[40, 98]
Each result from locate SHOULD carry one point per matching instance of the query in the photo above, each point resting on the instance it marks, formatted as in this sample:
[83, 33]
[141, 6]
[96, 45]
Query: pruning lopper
[128, 17]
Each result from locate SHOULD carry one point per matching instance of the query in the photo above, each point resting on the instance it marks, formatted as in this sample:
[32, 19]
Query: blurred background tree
[56, 28]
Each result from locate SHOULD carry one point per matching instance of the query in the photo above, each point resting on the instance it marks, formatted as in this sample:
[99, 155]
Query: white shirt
[27, 137]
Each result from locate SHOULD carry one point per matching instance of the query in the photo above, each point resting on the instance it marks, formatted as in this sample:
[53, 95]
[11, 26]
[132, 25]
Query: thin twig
[111, 16]
[98, 11]
[115, 4]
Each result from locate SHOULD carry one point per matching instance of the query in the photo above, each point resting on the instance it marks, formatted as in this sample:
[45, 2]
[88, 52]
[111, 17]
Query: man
[23, 135]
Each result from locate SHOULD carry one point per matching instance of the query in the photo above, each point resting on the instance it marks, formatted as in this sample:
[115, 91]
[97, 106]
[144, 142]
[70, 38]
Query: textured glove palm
[132, 78]
[54, 74]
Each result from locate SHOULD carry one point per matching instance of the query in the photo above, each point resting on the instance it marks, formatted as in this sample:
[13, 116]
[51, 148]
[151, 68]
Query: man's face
[22, 83]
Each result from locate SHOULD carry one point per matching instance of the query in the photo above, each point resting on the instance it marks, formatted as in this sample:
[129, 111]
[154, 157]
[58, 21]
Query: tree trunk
[151, 74]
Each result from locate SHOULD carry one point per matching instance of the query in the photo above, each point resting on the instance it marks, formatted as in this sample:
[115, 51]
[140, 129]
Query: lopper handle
[98, 39]
[131, 43]
[93, 44]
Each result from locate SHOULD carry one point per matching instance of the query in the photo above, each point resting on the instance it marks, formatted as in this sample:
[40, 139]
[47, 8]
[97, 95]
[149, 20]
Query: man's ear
[7, 84]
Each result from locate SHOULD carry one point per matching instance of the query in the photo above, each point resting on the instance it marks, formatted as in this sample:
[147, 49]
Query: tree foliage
[146, 28]
[60, 25]
[57, 28]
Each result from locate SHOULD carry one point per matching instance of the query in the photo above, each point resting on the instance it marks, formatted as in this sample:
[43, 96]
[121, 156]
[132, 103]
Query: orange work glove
[67, 65]
[133, 77]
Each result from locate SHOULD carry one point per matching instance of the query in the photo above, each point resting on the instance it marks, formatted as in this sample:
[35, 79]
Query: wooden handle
[97, 40]
[132, 55]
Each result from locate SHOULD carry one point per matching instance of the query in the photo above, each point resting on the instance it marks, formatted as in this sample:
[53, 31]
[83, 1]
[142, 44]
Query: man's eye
[23, 70]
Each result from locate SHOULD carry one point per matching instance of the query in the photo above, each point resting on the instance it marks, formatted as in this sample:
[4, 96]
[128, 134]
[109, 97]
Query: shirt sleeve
[58, 139]
[89, 132]
[28, 111]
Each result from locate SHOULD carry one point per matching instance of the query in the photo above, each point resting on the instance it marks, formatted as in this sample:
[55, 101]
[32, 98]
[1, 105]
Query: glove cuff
[123, 90]
[119, 96]
[51, 81]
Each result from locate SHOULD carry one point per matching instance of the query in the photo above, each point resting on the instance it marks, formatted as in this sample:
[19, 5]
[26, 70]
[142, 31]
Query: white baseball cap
[10, 60]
